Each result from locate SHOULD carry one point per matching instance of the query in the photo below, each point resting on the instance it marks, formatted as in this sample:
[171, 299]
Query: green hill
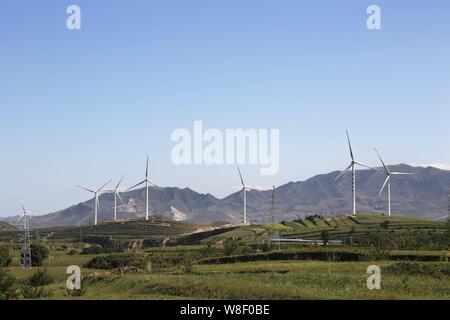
[123, 230]
[342, 228]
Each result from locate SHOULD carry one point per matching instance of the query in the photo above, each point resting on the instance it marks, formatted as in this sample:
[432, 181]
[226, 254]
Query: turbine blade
[384, 165]
[100, 189]
[89, 190]
[136, 185]
[240, 175]
[146, 169]
[350, 146]
[120, 181]
[155, 185]
[120, 198]
[342, 173]
[384, 185]
[401, 173]
[364, 165]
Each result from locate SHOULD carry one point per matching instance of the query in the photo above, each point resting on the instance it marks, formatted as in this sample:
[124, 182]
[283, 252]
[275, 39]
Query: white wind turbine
[244, 190]
[352, 165]
[26, 218]
[116, 195]
[389, 175]
[96, 203]
[146, 182]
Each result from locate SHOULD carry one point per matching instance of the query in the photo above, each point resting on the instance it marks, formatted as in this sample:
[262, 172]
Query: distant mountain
[6, 227]
[423, 194]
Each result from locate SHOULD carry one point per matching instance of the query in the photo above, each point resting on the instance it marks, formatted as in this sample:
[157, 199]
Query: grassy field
[202, 268]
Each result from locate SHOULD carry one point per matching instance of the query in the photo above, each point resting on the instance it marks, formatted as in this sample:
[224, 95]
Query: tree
[39, 253]
[5, 258]
[385, 224]
[230, 246]
[325, 235]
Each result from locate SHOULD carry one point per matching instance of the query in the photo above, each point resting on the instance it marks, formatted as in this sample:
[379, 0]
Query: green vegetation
[7, 290]
[39, 253]
[238, 262]
[5, 258]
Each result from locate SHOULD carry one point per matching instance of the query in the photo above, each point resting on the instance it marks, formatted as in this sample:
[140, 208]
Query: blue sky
[84, 106]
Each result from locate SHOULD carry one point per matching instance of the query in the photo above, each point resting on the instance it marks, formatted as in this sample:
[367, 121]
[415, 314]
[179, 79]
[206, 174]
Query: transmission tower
[25, 255]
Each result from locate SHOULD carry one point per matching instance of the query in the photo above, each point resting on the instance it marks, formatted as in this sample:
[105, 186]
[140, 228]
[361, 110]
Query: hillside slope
[423, 194]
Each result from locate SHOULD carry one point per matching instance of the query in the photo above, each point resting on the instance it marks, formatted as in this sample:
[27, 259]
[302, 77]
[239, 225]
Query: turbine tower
[389, 175]
[96, 203]
[25, 255]
[244, 190]
[352, 165]
[116, 195]
[146, 182]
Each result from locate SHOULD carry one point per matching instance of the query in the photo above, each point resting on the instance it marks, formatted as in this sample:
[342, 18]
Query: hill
[6, 227]
[423, 194]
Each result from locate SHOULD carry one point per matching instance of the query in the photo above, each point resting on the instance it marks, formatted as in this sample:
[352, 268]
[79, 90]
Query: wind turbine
[116, 195]
[244, 190]
[96, 203]
[146, 182]
[352, 165]
[389, 175]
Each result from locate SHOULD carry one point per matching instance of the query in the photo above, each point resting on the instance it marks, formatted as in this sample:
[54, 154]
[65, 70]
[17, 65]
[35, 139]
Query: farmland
[201, 262]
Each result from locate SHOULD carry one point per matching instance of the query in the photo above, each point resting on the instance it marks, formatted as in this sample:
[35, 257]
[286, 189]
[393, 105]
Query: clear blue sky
[81, 107]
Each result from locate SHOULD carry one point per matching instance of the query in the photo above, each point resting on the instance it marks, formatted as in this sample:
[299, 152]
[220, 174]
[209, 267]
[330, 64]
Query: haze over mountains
[422, 195]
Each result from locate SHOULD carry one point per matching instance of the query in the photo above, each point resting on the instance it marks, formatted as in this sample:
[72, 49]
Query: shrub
[72, 252]
[7, 291]
[418, 268]
[95, 249]
[75, 292]
[325, 235]
[5, 258]
[116, 261]
[230, 246]
[187, 266]
[40, 278]
[29, 292]
[39, 253]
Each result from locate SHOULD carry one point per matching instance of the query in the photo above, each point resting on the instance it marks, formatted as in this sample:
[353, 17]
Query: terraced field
[339, 228]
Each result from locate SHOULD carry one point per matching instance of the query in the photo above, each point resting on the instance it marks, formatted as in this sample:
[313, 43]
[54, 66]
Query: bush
[230, 246]
[416, 268]
[325, 235]
[39, 253]
[117, 261]
[72, 252]
[187, 266]
[7, 291]
[40, 278]
[75, 292]
[29, 292]
[95, 249]
[5, 258]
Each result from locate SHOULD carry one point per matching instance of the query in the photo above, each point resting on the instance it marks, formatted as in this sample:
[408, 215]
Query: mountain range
[424, 194]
